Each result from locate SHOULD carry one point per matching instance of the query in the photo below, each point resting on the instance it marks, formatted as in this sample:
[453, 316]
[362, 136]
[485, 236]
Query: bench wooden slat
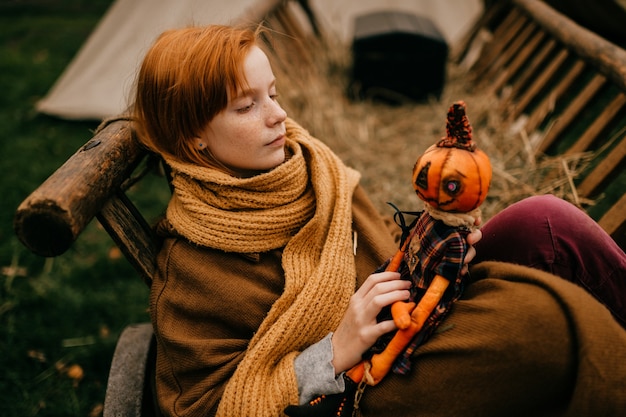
[602, 171]
[538, 85]
[132, 234]
[520, 59]
[598, 125]
[510, 53]
[547, 105]
[615, 218]
[501, 38]
[530, 71]
[571, 112]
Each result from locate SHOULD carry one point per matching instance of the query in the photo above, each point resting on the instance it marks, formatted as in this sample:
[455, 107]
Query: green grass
[66, 310]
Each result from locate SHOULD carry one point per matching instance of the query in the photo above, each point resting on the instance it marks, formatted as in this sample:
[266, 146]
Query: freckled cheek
[239, 151]
[249, 139]
[240, 134]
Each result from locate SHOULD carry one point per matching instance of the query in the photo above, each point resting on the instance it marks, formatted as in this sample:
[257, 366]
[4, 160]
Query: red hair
[184, 81]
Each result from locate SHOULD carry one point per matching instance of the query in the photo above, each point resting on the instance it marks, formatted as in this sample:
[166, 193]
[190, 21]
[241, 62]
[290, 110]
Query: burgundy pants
[550, 234]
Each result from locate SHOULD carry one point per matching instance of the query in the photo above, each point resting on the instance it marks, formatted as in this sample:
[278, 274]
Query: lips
[279, 140]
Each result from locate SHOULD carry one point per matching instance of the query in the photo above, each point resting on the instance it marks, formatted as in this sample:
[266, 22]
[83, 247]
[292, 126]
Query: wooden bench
[546, 69]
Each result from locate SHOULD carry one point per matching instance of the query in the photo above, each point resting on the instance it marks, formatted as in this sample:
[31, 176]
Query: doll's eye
[421, 181]
[453, 187]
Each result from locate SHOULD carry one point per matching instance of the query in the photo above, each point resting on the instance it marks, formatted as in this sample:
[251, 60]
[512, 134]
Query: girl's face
[248, 136]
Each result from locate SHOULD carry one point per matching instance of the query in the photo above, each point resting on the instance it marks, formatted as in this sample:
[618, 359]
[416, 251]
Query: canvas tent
[98, 81]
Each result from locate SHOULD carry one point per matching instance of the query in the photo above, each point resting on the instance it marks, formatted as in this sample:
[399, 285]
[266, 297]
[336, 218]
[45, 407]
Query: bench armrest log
[51, 218]
[608, 58]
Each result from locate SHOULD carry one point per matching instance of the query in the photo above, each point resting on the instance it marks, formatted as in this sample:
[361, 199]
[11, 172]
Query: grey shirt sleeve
[315, 371]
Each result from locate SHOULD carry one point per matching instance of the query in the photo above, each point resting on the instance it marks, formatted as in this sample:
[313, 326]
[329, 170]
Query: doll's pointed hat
[458, 129]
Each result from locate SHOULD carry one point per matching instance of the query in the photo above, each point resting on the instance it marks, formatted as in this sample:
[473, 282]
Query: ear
[200, 145]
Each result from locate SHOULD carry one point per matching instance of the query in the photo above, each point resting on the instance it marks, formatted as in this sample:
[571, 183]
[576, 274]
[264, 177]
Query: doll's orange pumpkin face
[452, 179]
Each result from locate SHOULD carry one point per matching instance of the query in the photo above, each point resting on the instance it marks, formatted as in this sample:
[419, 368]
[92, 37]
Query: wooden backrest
[564, 88]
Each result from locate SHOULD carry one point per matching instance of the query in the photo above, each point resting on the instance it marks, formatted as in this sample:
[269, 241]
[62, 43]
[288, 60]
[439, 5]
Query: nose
[276, 113]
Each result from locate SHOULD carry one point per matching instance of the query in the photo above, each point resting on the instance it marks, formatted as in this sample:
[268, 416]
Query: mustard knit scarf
[303, 205]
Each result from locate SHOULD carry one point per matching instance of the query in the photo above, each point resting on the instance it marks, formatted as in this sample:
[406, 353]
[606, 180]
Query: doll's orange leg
[382, 362]
[429, 301]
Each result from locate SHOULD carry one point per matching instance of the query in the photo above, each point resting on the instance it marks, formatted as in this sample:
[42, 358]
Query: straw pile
[383, 141]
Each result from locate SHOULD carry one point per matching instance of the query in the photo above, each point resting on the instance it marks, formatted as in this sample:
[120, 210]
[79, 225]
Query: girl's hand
[358, 329]
[472, 239]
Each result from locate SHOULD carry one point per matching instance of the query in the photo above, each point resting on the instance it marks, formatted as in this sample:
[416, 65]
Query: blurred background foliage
[59, 317]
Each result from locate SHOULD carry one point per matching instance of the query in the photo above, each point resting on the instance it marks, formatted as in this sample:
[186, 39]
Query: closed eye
[245, 108]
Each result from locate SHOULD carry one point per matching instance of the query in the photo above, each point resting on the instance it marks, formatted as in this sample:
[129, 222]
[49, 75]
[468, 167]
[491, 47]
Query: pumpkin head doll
[452, 177]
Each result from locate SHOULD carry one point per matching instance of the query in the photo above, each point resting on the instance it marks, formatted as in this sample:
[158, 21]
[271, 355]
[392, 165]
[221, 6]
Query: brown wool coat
[206, 304]
[519, 342]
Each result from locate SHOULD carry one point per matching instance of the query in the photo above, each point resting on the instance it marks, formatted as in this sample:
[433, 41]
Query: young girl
[265, 294]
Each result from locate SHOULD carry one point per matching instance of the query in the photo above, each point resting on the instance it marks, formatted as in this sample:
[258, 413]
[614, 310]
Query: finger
[373, 333]
[385, 299]
[471, 253]
[384, 327]
[370, 305]
[380, 293]
[375, 279]
[474, 237]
